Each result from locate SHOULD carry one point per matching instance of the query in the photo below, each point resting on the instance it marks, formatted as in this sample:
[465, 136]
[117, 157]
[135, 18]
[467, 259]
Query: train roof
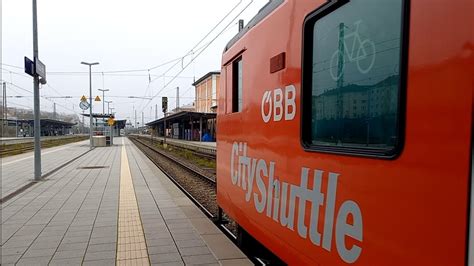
[262, 13]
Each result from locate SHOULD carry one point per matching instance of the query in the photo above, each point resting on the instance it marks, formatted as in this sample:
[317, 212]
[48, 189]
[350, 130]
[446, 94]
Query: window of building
[237, 100]
[353, 48]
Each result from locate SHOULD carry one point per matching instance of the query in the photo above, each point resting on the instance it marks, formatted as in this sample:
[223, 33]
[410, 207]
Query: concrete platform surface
[17, 170]
[18, 140]
[110, 207]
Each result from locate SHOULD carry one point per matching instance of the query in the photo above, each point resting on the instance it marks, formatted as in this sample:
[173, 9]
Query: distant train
[345, 131]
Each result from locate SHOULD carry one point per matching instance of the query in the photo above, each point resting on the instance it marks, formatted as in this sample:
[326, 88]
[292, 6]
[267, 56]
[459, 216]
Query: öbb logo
[278, 105]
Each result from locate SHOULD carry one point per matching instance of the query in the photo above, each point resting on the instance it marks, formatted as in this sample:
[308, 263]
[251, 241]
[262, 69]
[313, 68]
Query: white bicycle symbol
[365, 50]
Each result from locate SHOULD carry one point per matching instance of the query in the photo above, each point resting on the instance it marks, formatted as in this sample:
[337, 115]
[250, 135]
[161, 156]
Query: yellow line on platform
[131, 247]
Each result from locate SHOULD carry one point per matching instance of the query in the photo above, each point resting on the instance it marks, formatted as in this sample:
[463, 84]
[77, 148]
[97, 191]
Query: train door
[471, 209]
[233, 72]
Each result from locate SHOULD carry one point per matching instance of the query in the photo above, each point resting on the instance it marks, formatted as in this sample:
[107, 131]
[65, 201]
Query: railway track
[198, 151]
[201, 189]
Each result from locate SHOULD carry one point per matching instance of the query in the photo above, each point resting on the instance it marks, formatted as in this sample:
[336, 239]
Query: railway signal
[164, 104]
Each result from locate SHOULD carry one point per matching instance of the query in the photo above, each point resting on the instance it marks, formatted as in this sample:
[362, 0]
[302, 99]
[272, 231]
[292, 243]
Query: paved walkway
[17, 140]
[17, 170]
[112, 206]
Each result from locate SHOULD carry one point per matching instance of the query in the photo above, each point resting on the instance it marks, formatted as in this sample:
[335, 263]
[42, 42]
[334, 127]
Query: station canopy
[185, 115]
[97, 115]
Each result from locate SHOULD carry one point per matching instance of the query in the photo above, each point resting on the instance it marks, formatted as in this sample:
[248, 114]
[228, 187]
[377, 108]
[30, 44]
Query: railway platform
[17, 170]
[19, 140]
[112, 206]
[202, 146]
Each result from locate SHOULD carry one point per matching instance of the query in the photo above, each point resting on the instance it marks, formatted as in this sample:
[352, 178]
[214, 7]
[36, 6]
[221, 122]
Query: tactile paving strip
[131, 249]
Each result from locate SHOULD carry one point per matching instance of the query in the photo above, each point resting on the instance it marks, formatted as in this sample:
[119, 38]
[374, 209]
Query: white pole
[90, 108]
[90, 99]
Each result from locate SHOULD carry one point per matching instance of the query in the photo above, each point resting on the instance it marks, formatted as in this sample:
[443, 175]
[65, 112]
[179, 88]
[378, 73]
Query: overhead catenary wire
[223, 30]
[193, 49]
[194, 52]
[26, 90]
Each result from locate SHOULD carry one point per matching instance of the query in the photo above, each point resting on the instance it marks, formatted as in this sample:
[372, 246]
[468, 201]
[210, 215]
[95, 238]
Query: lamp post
[108, 106]
[90, 98]
[103, 107]
[103, 99]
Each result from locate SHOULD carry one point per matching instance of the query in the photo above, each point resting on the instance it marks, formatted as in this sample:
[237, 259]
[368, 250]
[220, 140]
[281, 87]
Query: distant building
[356, 101]
[206, 92]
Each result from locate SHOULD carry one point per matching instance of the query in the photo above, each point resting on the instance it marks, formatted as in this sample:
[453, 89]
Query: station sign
[29, 67]
[40, 69]
[35, 68]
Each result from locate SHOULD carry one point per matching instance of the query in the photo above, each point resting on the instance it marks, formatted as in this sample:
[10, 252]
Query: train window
[237, 87]
[351, 78]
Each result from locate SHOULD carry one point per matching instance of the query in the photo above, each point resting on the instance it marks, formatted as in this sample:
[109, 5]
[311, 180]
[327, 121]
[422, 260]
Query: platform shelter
[186, 125]
[49, 127]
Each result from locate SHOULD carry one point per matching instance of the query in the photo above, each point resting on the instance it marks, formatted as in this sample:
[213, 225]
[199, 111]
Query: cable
[192, 50]
[12, 66]
[18, 104]
[169, 82]
[21, 88]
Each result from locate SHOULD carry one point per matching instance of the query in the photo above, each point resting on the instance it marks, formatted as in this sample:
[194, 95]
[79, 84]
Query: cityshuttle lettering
[280, 201]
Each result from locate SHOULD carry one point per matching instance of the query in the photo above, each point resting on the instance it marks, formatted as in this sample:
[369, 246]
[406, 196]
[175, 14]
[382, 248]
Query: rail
[208, 152]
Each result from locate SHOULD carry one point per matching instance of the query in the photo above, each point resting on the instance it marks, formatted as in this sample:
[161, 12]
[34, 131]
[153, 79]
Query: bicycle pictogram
[362, 51]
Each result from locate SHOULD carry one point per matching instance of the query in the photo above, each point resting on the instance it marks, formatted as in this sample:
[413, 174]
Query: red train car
[345, 131]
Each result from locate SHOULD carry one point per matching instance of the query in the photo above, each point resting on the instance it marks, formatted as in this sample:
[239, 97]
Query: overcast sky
[120, 35]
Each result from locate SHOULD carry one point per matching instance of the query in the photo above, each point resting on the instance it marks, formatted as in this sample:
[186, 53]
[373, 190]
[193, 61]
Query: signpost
[164, 107]
[84, 105]
[111, 123]
[36, 98]
[37, 70]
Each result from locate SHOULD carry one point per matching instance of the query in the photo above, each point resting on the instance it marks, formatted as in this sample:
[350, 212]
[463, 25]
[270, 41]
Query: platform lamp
[108, 106]
[90, 98]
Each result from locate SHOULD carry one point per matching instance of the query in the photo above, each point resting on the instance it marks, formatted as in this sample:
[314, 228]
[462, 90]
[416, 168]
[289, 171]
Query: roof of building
[182, 115]
[201, 79]
[43, 122]
[387, 82]
[97, 115]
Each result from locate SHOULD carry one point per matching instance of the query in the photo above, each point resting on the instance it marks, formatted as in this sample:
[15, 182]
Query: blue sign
[29, 67]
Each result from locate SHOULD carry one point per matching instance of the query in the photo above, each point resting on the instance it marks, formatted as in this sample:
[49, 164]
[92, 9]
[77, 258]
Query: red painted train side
[406, 207]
